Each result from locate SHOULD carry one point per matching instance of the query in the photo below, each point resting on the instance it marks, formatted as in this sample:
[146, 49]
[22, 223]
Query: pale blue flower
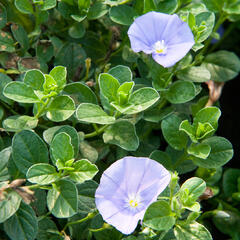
[164, 36]
[126, 190]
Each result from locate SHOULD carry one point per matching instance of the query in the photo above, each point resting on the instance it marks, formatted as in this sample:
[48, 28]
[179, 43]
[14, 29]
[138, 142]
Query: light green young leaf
[61, 108]
[48, 4]
[124, 92]
[200, 150]
[23, 225]
[186, 127]
[141, 99]
[59, 74]
[18, 123]
[42, 173]
[159, 216]
[83, 170]
[91, 113]
[203, 130]
[24, 6]
[62, 199]
[123, 134]
[35, 79]
[108, 86]
[20, 92]
[61, 148]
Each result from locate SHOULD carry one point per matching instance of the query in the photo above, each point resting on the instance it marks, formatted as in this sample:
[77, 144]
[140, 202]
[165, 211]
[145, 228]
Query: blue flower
[164, 36]
[126, 190]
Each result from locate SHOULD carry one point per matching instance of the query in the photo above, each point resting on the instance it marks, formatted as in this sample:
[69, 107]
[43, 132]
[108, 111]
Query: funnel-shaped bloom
[164, 36]
[126, 190]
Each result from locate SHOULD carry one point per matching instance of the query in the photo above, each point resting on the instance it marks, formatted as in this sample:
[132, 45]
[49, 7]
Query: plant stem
[95, 133]
[41, 110]
[89, 216]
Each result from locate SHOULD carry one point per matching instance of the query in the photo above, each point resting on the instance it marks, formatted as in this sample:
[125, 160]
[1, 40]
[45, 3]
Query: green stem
[96, 133]
[9, 108]
[89, 216]
[41, 110]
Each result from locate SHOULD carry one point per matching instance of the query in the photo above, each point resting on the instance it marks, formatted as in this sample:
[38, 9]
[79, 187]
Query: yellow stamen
[133, 203]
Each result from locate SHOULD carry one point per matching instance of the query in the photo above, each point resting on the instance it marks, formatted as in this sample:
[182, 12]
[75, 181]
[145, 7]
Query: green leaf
[141, 99]
[4, 80]
[42, 173]
[227, 222]
[214, 5]
[44, 51]
[18, 123]
[60, 109]
[167, 6]
[108, 86]
[193, 231]
[223, 65]
[34, 79]
[4, 157]
[195, 188]
[47, 230]
[83, 5]
[20, 35]
[9, 205]
[24, 6]
[121, 73]
[159, 216]
[230, 181]
[28, 149]
[163, 158]
[59, 74]
[77, 30]
[203, 130]
[123, 134]
[200, 150]
[221, 153]
[170, 129]
[23, 224]
[80, 93]
[20, 92]
[62, 199]
[124, 92]
[48, 4]
[97, 10]
[207, 115]
[70, 55]
[206, 19]
[83, 170]
[186, 127]
[148, 5]
[3, 16]
[91, 113]
[86, 196]
[61, 148]
[88, 152]
[6, 42]
[194, 74]
[122, 14]
[50, 84]
[181, 92]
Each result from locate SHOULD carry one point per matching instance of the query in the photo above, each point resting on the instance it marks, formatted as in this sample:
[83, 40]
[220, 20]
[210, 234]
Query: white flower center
[160, 47]
[133, 202]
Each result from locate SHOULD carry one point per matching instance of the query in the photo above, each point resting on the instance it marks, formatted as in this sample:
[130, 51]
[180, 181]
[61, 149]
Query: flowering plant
[109, 115]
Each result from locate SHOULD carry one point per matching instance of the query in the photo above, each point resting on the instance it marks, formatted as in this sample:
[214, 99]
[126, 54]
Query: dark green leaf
[6, 42]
